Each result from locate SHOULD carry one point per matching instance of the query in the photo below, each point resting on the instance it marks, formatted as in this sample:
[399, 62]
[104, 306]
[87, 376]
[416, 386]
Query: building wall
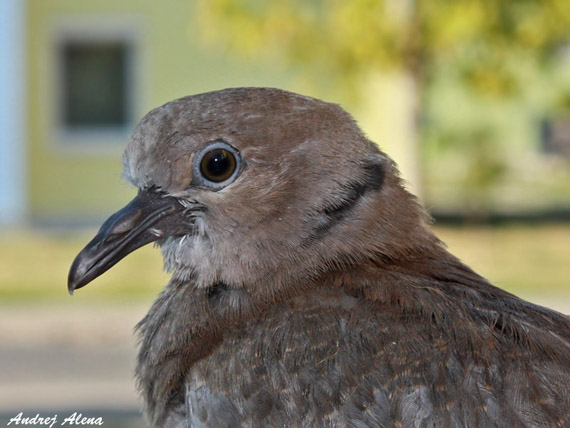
[12, 135]
[73, 178]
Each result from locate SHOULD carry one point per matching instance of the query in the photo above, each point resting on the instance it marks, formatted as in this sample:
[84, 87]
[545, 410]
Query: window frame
[98, 139]
[551, 129]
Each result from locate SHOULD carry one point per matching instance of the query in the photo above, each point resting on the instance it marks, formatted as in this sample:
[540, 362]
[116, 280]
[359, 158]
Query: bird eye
[217, 165]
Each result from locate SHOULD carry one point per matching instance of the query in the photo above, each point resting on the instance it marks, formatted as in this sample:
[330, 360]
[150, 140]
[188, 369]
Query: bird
[307, 288]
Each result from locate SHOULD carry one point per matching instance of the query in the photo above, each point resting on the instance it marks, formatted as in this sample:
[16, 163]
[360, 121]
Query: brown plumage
[307, 289]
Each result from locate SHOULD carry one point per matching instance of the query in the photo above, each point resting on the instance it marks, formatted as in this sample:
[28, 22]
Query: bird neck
[433, 287]
[426, 278]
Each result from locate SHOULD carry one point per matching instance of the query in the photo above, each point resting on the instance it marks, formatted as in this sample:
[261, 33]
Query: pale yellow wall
[83, 182]
[388, 116]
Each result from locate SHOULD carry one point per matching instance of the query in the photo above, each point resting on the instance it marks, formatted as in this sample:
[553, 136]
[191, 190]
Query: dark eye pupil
[218, 165]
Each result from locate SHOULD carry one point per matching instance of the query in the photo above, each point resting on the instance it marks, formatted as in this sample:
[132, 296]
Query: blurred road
[60, 360]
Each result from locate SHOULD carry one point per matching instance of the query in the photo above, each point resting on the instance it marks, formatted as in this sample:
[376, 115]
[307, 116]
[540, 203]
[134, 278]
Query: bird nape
[307, 289]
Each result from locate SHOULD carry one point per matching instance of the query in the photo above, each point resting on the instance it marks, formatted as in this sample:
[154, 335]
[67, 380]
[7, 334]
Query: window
[93, 82]
[95, 85]
[556, 136]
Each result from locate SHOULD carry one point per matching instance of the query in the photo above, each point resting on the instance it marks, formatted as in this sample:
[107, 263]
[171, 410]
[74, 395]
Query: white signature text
[71, 420]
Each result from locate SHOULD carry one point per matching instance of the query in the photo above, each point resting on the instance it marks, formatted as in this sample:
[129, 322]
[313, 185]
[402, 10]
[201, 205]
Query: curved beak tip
[76, 273]
[125, 231]
[71, 283]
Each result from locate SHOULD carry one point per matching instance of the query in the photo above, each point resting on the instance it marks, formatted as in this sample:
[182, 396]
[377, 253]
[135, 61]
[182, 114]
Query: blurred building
[76, 77]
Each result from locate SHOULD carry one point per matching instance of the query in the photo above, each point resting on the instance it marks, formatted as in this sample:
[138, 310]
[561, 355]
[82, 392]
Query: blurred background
[471, 98]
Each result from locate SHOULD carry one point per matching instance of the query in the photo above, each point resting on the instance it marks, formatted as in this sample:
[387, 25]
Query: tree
[480, 40]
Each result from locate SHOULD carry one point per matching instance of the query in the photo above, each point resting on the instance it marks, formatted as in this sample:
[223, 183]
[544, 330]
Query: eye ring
[216, 165]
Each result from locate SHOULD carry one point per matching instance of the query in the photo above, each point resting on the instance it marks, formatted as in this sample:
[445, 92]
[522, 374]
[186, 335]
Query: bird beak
[149, 217]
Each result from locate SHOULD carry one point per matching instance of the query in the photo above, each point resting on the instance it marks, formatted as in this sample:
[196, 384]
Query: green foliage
[562, 104]
[346, 39]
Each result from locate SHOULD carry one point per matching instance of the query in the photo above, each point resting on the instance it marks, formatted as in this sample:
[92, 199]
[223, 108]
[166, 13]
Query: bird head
[242, 187]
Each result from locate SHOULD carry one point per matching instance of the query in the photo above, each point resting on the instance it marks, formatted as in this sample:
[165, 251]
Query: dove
[307, 288]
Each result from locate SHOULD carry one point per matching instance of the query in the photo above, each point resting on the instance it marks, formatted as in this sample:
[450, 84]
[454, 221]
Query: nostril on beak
[128, 223]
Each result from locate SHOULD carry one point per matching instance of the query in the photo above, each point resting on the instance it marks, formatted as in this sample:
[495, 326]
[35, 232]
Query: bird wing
[343, 361]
